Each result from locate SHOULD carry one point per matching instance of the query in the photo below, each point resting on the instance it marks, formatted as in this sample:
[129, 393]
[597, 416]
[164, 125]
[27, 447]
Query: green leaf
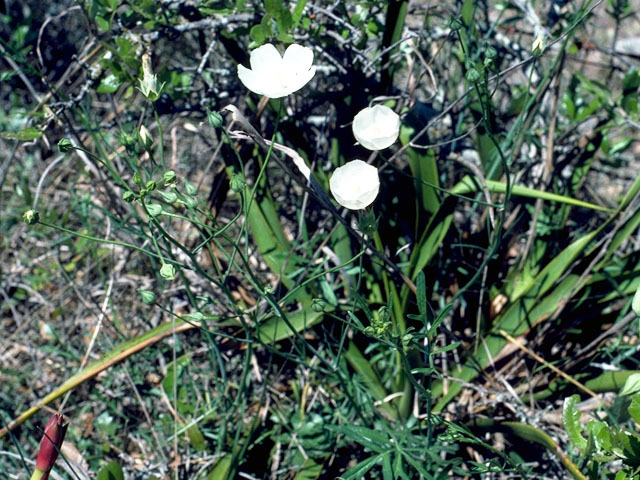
[297, 12]
[310, 470]
[571, 422]
[360, 469]
[368, 376]
[272, 6]
[387, 472]
[467, 185]
[111, 471]
[433, 236]
[276, 329]
[422, 162]
[634, 408]
[257, 34]
[467, 12]
[103, 24]
[601, 435]
[632, 384]
[283, 21]
[627, 447]
[222, 468]
[196, 439]
[368, 438]
[631, 81]
[23, 135]
[109, 84]
[174, 373]
[421, 294]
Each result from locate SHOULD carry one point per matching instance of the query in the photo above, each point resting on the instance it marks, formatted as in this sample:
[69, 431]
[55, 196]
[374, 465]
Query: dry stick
[95, 368]
[552, 367]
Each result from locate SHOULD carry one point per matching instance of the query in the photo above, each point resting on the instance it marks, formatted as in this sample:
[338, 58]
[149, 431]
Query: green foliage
[607, 440]
[111, 471]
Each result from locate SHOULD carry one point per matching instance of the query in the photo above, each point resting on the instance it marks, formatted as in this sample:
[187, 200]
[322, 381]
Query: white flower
[376, 127]
[276, 76]
[355, 185]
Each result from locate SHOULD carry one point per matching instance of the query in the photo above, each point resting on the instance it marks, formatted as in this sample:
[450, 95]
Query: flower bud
[147, 296]
[191, 202]
[237, 182]
[50, 445]
[145, 137]
[317, 305]
[65, 145]
[169, 178]
[149, 82]
[169, 197]
[214, 118]
[190, 188]
[31, 217]
[473, 75]
[538, 46]
[167, 271]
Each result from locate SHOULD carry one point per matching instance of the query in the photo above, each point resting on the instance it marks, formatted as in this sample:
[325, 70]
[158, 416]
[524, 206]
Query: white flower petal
[265, 59]
[299, 80]
[376, 127]
[298, 58]
[251, 80]
[355, 185]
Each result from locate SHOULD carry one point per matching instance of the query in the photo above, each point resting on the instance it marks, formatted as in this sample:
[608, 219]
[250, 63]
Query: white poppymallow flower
[275, 76]
[355, 185]
[376, 127]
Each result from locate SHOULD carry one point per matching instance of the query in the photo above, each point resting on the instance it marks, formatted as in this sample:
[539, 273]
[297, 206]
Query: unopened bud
[317, 305]
[31, 217]
[538, 46]
[167, 271]
[214, 118]
[50, 445]
[237, 182]
[145, 137]
[65, 145]
[169, 178]
[149, 82]
[473, 75]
